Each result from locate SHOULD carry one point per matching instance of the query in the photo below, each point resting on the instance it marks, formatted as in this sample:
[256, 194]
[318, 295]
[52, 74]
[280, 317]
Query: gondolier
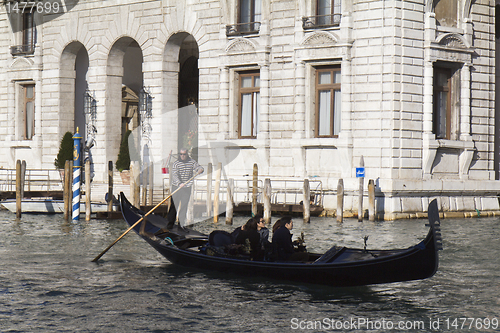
[182, 171]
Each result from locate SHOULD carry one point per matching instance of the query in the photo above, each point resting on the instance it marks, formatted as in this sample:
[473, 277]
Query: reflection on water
[48, 282]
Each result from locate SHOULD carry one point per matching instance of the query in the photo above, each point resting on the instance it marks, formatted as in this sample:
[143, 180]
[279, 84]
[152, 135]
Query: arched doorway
[81, 87]
[124, 82]
[73, 85]
[182, 79]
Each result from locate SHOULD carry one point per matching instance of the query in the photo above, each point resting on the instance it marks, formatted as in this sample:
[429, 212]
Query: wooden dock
[290, 209]
[54, 194]
[247, 196]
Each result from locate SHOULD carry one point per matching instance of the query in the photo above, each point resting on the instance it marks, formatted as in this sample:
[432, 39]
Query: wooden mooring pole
[88, 210]
[67, 193]
[306, 205]
[144, 181]
[135, 186]
[190, 210]
[209, 189]
[151, 182]
[132, 184]
[216, 192]
[360, 194]
[23, 177]
[110, 187]
[230, 201]
[18, 189]
[371, 200]
[267, 201]
[255, 185]
[340, 200]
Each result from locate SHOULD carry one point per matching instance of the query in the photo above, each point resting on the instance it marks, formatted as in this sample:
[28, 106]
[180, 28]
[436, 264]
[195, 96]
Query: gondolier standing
[182, 170]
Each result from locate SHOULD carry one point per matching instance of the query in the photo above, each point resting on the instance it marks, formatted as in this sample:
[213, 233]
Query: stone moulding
[240, 45]
[452, 40]
[319, 38]
[22, 63]
[465, 150]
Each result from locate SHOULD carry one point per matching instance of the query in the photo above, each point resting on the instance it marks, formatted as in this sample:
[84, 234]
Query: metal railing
[283, 191]
[242, 28]
[22, 49]
[35, 180]
[321, 21]
[292, 191]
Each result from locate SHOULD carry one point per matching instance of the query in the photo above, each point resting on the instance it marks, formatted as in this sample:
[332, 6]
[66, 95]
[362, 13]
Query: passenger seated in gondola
[276, 225]
[250, 236]
[261, 229]
[263, 232]
[282, 243]
[236, 232]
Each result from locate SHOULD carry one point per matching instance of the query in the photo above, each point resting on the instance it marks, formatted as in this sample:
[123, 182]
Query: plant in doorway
[65, 151]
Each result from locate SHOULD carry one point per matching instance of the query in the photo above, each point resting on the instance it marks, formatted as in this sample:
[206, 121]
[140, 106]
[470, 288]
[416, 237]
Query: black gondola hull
[417, 262]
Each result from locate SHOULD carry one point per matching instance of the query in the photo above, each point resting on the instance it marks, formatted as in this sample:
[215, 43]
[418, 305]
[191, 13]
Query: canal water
[49, 284]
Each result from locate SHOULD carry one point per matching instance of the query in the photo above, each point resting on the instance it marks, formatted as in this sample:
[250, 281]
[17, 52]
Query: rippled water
[49, 284]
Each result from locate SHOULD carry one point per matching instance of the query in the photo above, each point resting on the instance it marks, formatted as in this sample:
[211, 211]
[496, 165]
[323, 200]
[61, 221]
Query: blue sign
[360, 172]
[77, 141]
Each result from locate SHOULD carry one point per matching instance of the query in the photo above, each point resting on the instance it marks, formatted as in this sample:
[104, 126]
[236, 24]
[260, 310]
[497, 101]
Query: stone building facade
[304, 88]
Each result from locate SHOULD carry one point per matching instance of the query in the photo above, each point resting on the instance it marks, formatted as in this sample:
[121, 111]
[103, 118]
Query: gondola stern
[435, 224]
[435, 239]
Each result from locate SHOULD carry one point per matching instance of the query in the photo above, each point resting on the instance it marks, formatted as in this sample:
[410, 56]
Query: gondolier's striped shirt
[183, 171]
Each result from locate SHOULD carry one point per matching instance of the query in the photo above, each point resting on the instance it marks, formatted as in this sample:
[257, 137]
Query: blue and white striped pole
[77, 171]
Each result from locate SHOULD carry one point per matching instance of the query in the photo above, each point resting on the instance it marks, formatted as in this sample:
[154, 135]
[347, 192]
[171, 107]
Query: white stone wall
[385, 48]
[4, 100]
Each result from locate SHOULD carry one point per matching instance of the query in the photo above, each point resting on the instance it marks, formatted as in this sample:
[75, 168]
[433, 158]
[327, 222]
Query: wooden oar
[139, 221]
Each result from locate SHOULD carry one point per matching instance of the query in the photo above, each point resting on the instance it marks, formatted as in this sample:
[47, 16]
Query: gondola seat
[219, 238]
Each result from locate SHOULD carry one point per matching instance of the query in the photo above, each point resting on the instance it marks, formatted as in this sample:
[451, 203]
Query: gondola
[339, 266]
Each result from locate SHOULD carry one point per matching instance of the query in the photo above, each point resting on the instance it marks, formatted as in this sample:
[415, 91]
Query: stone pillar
[429, 143]
[465, 103]
[264, 103]
[170, 115]
[299, 111]
[224, 103]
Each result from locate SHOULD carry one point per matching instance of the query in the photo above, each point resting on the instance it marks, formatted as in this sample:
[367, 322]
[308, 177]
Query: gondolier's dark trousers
[180, 198]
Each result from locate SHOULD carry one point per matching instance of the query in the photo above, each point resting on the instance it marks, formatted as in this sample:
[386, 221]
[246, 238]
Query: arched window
[446, 12]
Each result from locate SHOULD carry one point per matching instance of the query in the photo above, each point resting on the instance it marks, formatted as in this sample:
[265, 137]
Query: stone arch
[429, 6]
[466, 12]
[468, 8]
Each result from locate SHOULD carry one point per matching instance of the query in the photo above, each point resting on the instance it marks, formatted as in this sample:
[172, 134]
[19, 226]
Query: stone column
[263, 133]
[224, 104]
[97, 83]
[465, 103]
[429, 143]
[300, 101]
